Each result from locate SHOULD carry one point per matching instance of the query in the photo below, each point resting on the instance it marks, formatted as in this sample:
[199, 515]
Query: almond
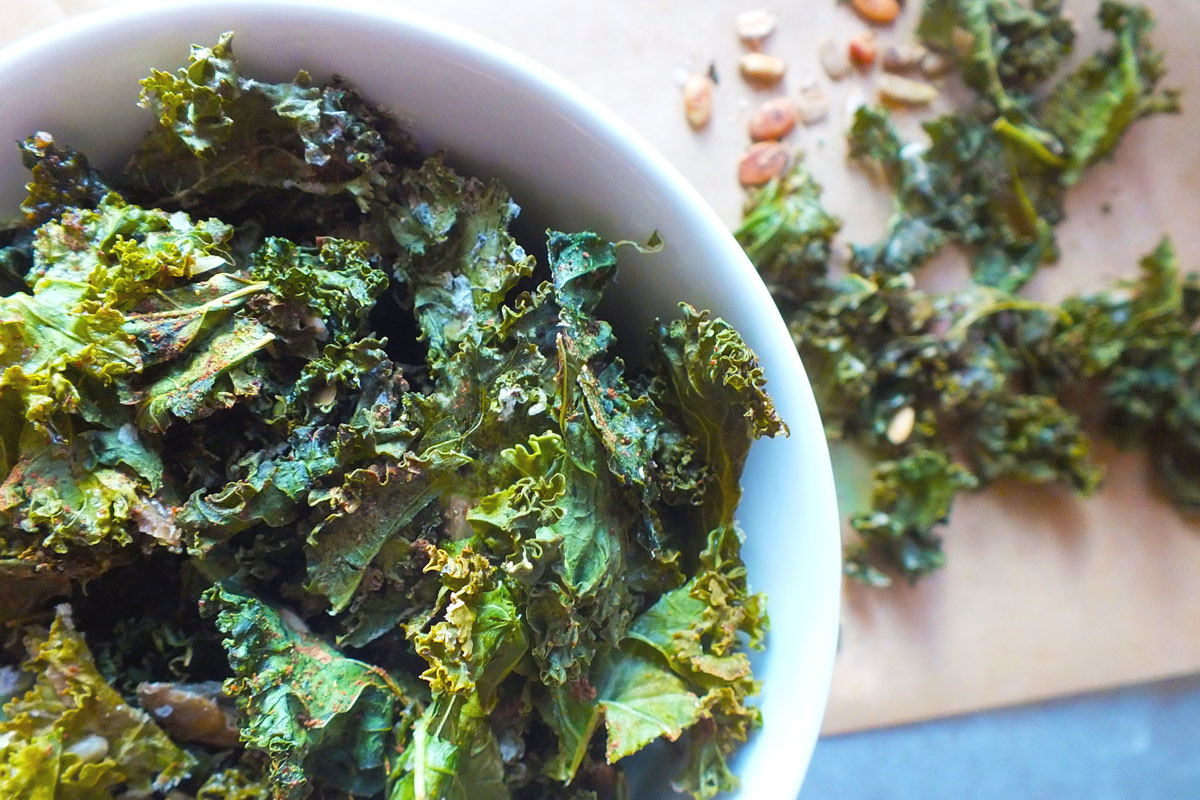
[761, 162]
[877, 12]
[773, 120]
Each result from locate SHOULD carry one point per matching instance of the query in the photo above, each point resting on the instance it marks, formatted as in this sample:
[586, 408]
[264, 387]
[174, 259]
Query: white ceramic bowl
[572, 165]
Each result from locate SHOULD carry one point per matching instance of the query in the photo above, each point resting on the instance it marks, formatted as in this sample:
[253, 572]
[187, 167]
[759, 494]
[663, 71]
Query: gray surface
[1141, 742]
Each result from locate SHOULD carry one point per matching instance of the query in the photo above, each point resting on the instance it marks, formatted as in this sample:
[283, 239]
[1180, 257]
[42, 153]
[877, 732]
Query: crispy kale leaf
[1090, 110]
[1138, 341]
[72, 735]
[455, 547]
[318, 715]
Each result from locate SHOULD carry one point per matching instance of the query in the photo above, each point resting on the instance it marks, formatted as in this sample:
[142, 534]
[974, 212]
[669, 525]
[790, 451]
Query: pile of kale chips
[305, 458]
[953, 390]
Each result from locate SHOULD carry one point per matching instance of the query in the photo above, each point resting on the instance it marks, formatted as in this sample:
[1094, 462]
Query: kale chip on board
[394, 486]
[950, 391]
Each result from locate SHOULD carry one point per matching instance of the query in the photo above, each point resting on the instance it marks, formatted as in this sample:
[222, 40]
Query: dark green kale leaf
[1014, 46]
[714, 382]
[971, 186]
[453, 755]
[59, 179]
[910, 497]
[1140, 343]
[1090, 110]
[335, 283]
[319, 716]
[788, 235]
[950, 391]
[297, 156]
[212, 381]
[947, 389]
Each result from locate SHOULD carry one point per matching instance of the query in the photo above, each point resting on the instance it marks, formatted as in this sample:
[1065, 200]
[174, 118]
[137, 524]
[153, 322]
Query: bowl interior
[571, 165]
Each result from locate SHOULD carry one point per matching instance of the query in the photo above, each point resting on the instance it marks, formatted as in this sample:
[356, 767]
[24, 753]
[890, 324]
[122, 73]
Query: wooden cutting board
[1044, 594]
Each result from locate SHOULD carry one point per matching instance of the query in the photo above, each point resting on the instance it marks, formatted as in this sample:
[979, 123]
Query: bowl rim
[575, 103]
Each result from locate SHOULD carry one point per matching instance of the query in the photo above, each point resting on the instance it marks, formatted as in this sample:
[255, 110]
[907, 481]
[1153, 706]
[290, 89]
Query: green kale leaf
[313, 712]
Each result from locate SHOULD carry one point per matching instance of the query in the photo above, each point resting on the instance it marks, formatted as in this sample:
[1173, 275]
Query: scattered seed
[325, 396]
[697, 100]
[903, 57]
[90, 748]
[834, 59]
[761, 162]
[754, 26]
[814, 104]
[934, 65]
[762, 68]
[905, 91]
[774, 119]
[863, 49]
[901, 425]
[192, 712]
[962, 41]
[878, 12]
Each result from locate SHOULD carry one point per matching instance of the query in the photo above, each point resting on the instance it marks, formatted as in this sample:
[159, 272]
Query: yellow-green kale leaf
[72, 736]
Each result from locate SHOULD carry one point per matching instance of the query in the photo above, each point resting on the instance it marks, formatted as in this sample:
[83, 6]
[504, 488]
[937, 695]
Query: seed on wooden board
[834, 59]
[697, 99]
[901, 425]
[878, 12]
[813, 105]
[905, 91]
[773, 119]
[761, 162]
[863, 49]
[762, 68]
[754, 26]
[903, 57]
[934, 65]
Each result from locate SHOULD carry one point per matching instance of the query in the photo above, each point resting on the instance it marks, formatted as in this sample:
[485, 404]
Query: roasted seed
[962, 41]
[901, 425]
[754, 26]
[762, 68]
[903, 57]
[761, 162]
[878, 12]
[934, 65]
[90, 748]
[774, 119]
[905, 91]
[192, 712]
[697, 100]
[863, 49]
[834, 59]
[813, 105]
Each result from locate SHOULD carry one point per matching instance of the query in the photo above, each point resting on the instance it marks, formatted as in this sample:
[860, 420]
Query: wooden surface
[1044, 594]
